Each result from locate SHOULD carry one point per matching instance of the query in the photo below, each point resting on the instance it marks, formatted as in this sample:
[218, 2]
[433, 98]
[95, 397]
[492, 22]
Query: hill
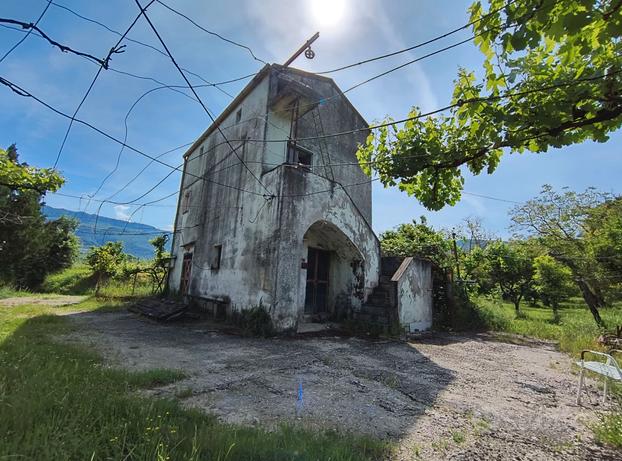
[135, 236]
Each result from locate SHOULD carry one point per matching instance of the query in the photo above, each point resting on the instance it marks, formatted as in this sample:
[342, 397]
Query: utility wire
[64, 48]
[114, 49]
[137, 42]
[250, 51]
[269, 195]
[508, 94]
[142, 77]
[22, 92]
[418, 45]
[28, 32]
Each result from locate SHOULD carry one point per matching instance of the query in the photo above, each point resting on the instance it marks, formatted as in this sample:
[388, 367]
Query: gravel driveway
[445, 397]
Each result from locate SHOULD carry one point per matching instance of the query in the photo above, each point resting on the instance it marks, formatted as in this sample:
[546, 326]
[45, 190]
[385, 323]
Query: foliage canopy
[552, 76]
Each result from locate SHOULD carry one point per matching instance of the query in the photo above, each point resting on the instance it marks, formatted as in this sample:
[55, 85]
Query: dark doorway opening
[316, 297]
[186, 269]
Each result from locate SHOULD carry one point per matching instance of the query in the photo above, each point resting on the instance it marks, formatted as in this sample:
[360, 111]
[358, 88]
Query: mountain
[135, 236]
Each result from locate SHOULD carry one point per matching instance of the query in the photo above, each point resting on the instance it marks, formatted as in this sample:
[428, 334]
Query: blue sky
[351, 30]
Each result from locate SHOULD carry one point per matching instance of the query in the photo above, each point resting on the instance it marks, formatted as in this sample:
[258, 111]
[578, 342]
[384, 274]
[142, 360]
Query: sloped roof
[251, 86]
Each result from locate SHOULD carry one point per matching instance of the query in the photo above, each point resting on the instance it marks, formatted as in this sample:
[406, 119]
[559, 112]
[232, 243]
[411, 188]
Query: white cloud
[121, 212]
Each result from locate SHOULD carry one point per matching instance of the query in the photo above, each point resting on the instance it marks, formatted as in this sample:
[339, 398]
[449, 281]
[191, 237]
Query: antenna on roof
[309, 53]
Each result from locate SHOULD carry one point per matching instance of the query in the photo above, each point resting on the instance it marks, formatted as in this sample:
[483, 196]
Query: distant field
[575, 331]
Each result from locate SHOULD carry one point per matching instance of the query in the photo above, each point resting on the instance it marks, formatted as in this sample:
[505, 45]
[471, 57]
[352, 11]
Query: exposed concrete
[261, 231]
[414, 294]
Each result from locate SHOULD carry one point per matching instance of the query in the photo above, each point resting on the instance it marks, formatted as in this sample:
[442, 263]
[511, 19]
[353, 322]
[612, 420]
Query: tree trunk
[593, 302]
[517, 305]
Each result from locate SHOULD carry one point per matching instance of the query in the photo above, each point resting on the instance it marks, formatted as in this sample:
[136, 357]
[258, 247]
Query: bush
[255, 321]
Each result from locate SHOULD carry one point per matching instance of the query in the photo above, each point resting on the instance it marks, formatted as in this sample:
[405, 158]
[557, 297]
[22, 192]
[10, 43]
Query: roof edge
[251, 85]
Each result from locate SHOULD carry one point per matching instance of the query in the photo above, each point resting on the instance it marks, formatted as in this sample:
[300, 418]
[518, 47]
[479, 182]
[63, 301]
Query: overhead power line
[115, 49]
[270, 195]
[210, 32]
[146, 45]
[418, 45]
[22, 92]
[64, 48]
[28, 32]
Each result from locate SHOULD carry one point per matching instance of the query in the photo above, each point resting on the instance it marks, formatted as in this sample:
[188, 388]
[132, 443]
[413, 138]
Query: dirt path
[48, 300]
[456, 397]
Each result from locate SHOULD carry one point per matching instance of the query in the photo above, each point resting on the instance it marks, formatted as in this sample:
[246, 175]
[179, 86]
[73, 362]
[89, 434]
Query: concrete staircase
[381, 306]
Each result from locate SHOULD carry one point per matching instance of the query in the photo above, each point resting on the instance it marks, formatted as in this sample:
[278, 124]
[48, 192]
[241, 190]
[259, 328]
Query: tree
[20, 176]
[418, 239]
[552, 77]
[604, 225]
[509, 267]
[106, 261]
[570, 226]
[552, 282]
[30, 246]
[159, 267]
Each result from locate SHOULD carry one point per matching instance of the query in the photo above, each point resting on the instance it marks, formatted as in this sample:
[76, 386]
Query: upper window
[299, 155]
[238, 116]
[185, 205]
[217, 257]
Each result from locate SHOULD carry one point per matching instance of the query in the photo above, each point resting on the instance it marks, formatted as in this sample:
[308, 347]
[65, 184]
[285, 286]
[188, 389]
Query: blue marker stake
[299, 400]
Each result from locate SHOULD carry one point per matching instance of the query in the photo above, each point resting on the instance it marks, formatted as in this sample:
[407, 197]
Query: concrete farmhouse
[274, 210]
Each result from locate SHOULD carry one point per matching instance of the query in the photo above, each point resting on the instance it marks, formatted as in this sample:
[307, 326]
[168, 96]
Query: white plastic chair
[608, 368]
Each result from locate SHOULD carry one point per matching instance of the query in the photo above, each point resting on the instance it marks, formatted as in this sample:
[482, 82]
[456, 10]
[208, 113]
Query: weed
[184, 393]
[458, 437]
[255, 321]
[441, 445]
[392, 381]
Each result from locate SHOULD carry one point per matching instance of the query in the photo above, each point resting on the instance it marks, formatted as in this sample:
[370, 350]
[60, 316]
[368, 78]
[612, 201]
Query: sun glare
[328, 12]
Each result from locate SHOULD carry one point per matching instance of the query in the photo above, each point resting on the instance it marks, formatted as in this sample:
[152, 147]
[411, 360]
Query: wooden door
[318, 262]
[186, 270]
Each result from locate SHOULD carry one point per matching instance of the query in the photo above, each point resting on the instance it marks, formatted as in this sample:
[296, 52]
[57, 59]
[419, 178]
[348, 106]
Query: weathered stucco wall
[336, 209]
[228, 209]
[263, 239]
[414, 294]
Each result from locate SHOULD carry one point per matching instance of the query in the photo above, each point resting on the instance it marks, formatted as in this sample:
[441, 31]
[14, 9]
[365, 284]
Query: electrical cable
[155, 31]
[114, 49]
[28, 32]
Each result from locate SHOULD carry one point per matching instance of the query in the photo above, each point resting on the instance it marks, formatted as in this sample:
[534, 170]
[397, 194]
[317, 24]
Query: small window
[217, 257]
[185, 206]
[305, 158]
[201, 151]
[238, 116]
[299, 155]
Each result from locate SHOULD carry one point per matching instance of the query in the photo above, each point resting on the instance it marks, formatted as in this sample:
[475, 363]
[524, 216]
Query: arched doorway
[334, 280]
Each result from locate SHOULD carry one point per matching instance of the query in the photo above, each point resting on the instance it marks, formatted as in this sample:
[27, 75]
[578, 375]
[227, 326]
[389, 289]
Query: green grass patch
[575, 328]
[60, 401]
[609, 429]
[7, 291]
[75, 280]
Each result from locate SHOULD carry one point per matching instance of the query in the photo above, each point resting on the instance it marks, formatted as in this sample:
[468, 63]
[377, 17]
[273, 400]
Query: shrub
[255, 321]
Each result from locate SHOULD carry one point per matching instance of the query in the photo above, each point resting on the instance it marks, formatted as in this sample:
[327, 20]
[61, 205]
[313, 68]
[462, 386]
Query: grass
[575, 330]
[60, 401]
[78, 280]
[7, 291]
